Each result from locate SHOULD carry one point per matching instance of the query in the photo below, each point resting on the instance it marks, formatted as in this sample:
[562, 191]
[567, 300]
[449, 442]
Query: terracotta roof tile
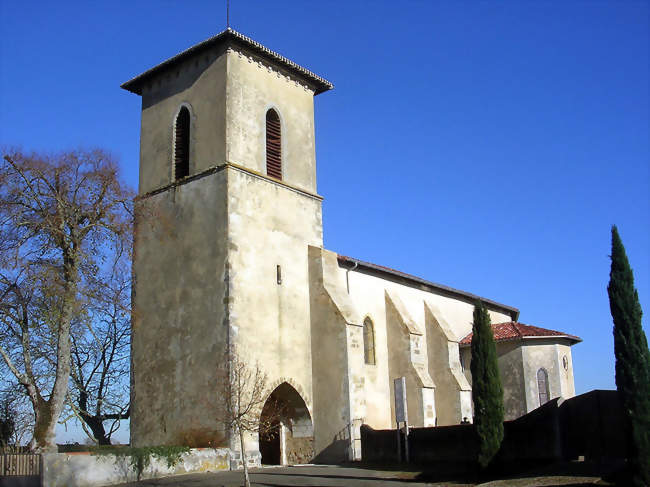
[513, 330]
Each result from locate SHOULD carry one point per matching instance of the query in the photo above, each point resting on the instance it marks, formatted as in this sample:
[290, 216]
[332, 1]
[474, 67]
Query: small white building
[534, 363]
[229, 256]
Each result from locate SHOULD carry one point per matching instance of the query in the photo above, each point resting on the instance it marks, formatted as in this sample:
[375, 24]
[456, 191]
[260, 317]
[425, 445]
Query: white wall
[86, 470]
[367, 292]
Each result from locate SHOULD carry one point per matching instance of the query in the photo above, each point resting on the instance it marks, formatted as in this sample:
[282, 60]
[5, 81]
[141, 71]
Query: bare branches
[244, 392]
[100, 354]
[244, 397]
[63, 220]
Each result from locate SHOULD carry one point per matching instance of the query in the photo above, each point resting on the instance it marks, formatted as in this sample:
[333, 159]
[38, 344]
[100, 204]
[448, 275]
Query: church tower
[226, 210]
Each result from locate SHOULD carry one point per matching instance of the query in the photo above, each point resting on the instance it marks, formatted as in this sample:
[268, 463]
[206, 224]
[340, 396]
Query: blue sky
[488, 146]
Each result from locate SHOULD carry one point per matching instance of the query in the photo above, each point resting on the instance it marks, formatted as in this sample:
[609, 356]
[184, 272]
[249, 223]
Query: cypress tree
[487, 392]
[632, 359]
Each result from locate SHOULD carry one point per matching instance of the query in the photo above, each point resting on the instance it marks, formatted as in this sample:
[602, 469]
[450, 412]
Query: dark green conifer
[632, 359]
[487, 392]
[7, 424]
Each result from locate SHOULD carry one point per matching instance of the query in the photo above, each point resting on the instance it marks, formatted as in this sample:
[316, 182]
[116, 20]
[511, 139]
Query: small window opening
[273, 145]
[368, 342]
[542, 386]
[278, 271]
[182, 144]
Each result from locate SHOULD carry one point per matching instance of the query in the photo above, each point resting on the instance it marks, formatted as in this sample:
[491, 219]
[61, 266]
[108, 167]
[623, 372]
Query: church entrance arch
[288, 431]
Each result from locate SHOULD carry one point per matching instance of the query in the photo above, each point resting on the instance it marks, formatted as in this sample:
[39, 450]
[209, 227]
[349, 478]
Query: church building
[229, 258]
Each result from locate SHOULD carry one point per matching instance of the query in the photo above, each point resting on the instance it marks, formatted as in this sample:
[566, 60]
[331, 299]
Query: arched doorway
[289, 435]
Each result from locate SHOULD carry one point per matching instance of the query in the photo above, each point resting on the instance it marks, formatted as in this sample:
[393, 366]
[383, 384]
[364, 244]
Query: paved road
[334, 476]
[313, 476]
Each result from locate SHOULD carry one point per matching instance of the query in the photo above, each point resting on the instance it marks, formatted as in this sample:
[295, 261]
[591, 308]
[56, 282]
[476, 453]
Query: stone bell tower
[226, 210]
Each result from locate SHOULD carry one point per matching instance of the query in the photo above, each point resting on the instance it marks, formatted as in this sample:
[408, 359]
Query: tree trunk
[96, 425]
[244, 460]
[44, 435]
[44, 439]
[49, 411]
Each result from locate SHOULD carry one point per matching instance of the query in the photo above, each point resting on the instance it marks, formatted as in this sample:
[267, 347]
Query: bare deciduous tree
[58, 215]
[245, 394]
[99, 392]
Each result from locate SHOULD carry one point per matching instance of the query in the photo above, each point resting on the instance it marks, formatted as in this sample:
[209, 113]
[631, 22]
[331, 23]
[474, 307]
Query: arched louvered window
[273, 145]
[182, 144]
[368, 342]
[542, 386]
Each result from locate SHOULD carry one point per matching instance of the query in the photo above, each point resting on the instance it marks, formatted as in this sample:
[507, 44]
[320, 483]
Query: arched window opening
[273, 145]
[368, 342]
[542, 386]
[182, 144]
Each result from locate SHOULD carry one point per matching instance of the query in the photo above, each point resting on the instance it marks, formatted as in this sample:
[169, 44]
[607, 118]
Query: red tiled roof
[518, 331]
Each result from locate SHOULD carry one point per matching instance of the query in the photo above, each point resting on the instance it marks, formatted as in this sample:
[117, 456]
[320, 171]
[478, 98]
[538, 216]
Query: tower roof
[514, 330]
[230, 35]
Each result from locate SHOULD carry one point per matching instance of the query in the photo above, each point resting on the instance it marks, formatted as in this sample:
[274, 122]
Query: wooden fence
[19, 467]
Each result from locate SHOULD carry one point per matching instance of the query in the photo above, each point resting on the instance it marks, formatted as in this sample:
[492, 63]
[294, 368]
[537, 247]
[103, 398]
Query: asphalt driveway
[337, 476]
[306, 475]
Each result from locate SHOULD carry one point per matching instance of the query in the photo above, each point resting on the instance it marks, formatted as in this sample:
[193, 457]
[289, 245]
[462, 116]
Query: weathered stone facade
[229, 258]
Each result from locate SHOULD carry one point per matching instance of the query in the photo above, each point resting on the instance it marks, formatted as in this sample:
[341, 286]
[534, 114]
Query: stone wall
[269, 227]
[86, 470]
[252, 87]
[332, 319]
[400, 313]
[253, 459]
[200, 86]
[519, 362]
[453, 392]
[546, 354]
[179, 323]
[220, 258]
[299, 450]
[511, 371]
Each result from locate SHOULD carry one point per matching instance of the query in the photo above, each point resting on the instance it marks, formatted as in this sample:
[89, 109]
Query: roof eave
[317, 83]
[570, 338]
[513, 312]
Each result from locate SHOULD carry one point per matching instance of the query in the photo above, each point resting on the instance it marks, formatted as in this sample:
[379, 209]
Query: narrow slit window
[368, 342]
[273, 145]
[542, 386]
[182, 144]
